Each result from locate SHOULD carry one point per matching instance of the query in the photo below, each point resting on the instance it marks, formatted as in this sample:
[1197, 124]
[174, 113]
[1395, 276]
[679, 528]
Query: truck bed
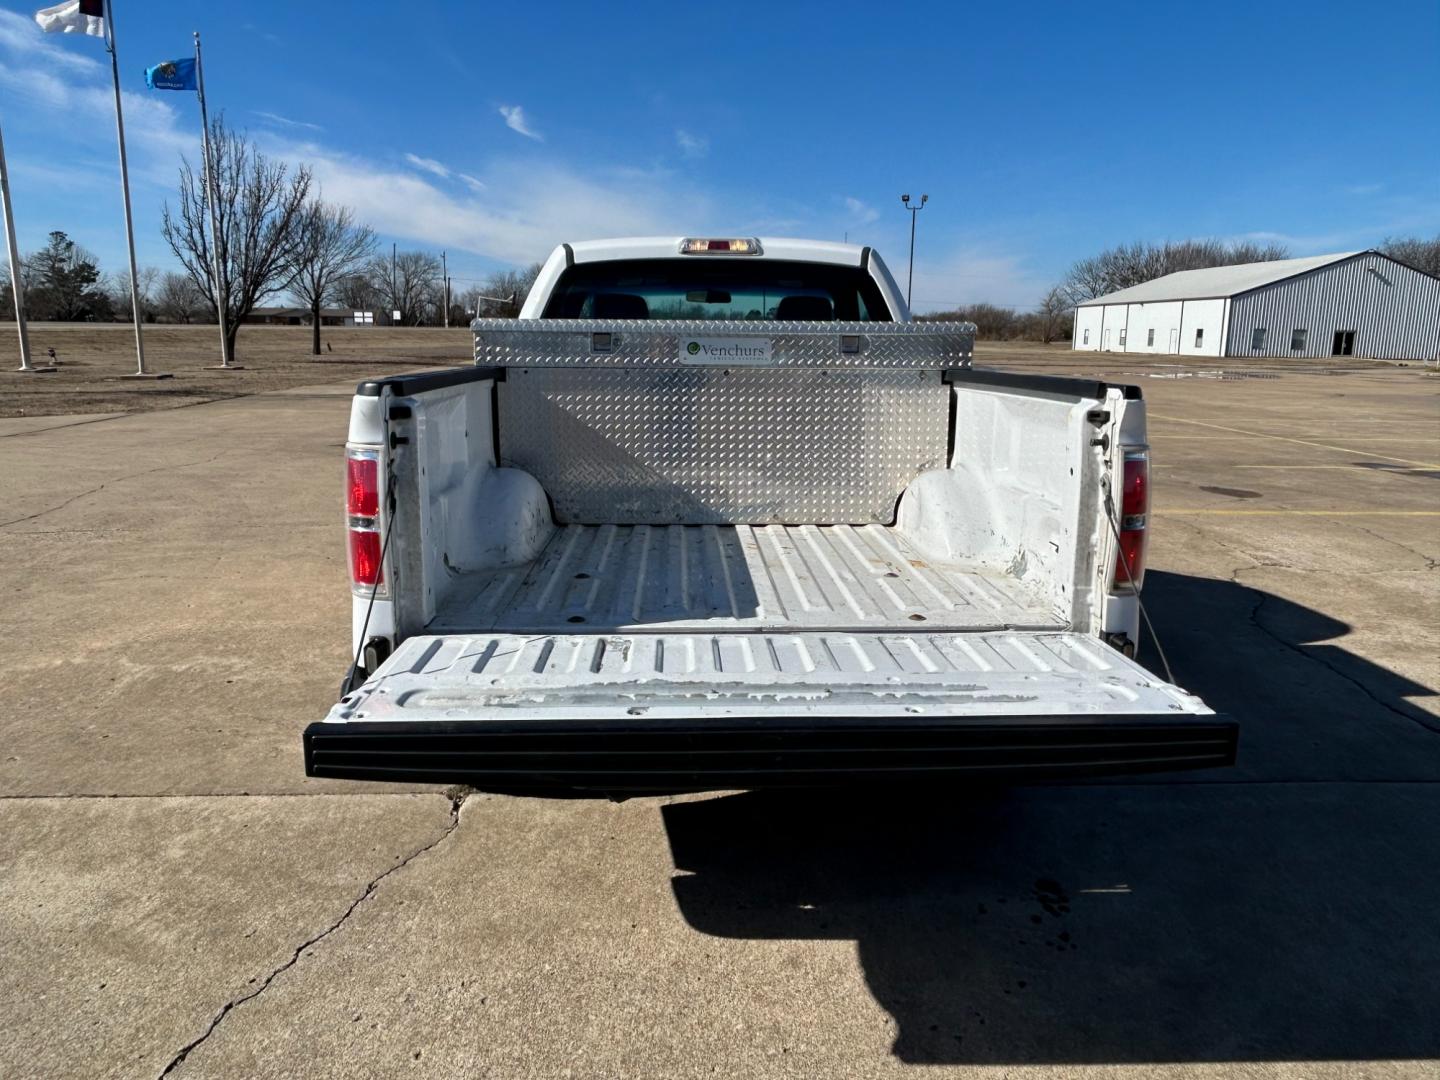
[738, 578]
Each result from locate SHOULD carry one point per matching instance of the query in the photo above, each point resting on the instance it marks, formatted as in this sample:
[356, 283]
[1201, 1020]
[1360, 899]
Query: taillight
[364, 557]
[362, 518]
[362, 486]
[1134, 510]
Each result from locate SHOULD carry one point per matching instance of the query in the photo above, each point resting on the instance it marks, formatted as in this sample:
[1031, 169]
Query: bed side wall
[468, 514]
[1011, 498]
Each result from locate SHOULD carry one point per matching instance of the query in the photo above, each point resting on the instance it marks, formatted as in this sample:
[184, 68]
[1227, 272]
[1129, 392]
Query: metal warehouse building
[1358, 303]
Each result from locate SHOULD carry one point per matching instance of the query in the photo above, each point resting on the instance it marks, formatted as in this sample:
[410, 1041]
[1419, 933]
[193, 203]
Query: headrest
[621, 306]
[805, 309]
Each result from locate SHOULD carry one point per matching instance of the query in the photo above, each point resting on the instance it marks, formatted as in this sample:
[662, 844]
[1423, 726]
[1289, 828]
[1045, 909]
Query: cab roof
[667, 247]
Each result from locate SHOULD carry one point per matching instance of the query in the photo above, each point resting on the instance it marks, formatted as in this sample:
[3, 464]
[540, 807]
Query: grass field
[95, 360]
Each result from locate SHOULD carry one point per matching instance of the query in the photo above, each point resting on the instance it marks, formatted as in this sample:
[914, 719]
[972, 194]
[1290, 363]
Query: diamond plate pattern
[656, 343]
[711, 446]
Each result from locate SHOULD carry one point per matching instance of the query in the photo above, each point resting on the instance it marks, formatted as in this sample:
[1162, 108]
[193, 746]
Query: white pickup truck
[715, 513]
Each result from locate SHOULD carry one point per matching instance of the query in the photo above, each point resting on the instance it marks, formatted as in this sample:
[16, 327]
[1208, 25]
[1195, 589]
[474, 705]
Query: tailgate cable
[1114, 524]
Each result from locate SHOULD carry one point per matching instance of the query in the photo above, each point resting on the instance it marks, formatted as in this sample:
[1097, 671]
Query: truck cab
[716, 513]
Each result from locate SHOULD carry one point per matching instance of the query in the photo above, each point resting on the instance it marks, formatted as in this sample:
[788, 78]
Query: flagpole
[218, 285]
[139, 372]
[17, 286]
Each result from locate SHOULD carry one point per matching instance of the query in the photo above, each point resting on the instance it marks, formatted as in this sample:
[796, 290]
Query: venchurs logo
[693, 348]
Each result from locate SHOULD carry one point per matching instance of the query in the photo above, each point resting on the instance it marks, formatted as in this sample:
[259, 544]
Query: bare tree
[178, 298]
[1053, 313]
[1087, 279]
[148, 278]
[259, 206]
[414, 291]
[332, 247]
[499, 285]
[357, 292]
[992, 322]
[1414, 251]
[1125, 265]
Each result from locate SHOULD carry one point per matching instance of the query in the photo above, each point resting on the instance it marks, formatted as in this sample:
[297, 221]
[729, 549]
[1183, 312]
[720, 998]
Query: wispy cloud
[430, 165]
[861, 213]
[1316, 243]
[20, 34]
[71, 84]
[691, 145]
[268, 35]
[525, 211]
[970, 275]
[516, 120]
[285, 121]
[1364, 189]
[513, 210]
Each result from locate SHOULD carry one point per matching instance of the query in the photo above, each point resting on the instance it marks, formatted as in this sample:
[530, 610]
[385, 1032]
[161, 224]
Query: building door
[1174, 339]
[1344, 343]
[1105, 341]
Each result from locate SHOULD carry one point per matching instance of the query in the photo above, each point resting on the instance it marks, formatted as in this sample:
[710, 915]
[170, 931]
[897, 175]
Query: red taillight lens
[1134, 512]
[362, 487]
[362, 517]
[1132, 557]
[365, 557]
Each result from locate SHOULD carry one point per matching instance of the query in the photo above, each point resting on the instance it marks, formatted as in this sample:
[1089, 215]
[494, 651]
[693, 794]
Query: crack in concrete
[114, 480]
[457, 802]
[207, 398]
[1430, 564]
[1262, 597]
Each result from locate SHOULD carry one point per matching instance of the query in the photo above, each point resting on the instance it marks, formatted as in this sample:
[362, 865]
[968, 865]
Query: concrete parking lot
[176, 898]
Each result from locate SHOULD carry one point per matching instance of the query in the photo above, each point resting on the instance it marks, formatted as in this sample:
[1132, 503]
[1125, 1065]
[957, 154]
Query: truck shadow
[1282, 910]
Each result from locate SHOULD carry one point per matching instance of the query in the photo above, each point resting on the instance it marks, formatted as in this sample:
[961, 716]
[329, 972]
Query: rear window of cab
[740, 288]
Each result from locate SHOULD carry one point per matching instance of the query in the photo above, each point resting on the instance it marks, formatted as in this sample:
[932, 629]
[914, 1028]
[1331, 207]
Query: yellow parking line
[1386, 420]
[1299, 513]
[1346, 465]
[1352, 438]
[1300, 442]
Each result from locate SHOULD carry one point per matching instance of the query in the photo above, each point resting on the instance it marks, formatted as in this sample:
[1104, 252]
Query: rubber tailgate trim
[696, 755]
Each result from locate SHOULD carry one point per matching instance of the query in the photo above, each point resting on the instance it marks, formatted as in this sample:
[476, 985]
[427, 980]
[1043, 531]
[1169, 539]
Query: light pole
[910, 281]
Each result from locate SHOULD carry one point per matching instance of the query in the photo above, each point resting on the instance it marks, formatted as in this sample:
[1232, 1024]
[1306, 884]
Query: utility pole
[910, 281]
[17, 284]
[445, 280]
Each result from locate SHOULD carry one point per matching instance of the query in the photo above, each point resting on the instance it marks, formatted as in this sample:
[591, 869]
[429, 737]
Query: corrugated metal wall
[1173, 321]
[1394, 311]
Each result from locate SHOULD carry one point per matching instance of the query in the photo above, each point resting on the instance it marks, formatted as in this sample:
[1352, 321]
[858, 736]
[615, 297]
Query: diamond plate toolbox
[711, 446]
[657, 342]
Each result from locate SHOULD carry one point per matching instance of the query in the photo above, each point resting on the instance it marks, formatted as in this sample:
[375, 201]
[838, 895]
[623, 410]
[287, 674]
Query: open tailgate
[688, 711]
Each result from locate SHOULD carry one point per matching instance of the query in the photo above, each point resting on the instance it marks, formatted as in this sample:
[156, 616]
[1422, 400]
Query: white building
[1358, 303]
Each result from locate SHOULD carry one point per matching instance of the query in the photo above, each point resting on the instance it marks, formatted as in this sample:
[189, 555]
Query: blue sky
[1042, 132]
